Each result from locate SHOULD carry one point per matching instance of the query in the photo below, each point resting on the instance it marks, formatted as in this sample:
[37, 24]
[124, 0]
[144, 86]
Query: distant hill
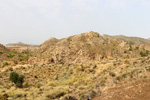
[131, 40]
[19, 44]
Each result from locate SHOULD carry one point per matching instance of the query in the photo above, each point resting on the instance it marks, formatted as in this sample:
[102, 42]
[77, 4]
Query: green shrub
[17, 79]
[125, 51]
[20, 59]
[1, 52]
[142, 54]
[137, 48]
[14, 77]
[10, 56]
[112, 74]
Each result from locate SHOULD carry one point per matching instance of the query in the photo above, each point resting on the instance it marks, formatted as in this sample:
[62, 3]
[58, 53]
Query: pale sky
[34, 21]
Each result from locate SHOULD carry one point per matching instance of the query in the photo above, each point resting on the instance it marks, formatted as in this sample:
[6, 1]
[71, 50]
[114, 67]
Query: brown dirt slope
[137, 90]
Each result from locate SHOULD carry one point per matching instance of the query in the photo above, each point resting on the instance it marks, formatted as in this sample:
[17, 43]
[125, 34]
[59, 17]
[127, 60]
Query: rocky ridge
[90, 46]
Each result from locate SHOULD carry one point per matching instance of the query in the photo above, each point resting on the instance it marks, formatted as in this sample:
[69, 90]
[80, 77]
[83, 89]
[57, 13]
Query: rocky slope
[90, 46]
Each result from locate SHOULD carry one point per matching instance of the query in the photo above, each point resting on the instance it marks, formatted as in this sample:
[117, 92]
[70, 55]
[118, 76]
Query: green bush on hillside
[143, 54]
[17, 79]
[125, 51]
[137, 48]
[10, 56]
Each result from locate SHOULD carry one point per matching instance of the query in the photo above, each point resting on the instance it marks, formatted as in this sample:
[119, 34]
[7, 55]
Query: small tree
[142, 54]
[14, 77]
[18, 80]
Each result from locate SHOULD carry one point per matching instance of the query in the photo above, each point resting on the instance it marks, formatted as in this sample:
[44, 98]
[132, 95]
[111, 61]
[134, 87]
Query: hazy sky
[34, 21]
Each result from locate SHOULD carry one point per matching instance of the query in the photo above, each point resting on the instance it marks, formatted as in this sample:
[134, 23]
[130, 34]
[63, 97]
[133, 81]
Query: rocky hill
[87, 66]
[131, 40]
[90, 46]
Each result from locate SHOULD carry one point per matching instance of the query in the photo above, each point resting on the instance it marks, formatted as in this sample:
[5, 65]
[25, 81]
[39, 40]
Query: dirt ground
[137, 90]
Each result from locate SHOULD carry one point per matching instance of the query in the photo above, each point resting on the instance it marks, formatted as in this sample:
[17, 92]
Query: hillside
[90, 46]
[131, 40]
[3, 48]
[11, 57]
[74, 81]
[3, 51]
[87, 66]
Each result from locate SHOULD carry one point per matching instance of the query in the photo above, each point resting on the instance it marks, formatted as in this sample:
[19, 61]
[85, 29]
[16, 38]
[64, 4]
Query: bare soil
[137, 90]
